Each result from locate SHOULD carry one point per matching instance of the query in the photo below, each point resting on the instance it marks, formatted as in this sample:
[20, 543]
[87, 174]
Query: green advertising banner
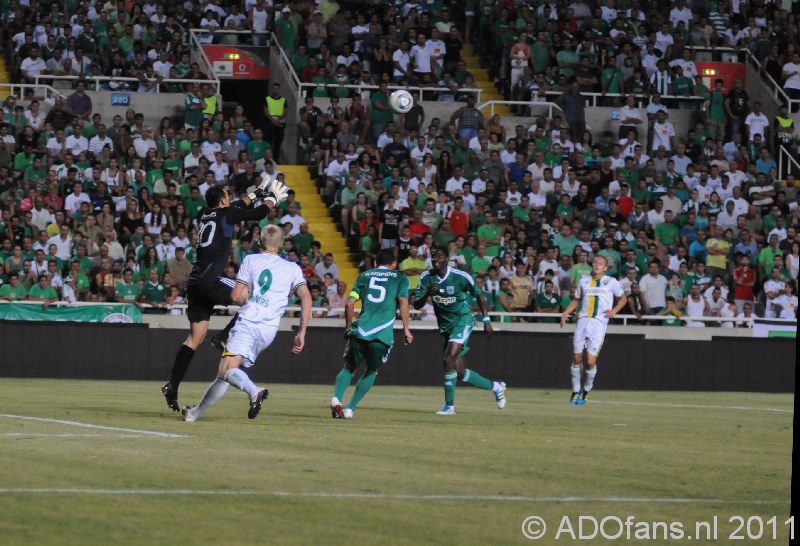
[84, 313]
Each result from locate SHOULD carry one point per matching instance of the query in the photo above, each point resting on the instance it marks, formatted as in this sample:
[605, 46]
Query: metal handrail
[777, 91]
[97, 79]
[198, 48]
[595, 97]
[18, 89]
[783, 169]
[550, 106]
[287, 65]
[360, 87]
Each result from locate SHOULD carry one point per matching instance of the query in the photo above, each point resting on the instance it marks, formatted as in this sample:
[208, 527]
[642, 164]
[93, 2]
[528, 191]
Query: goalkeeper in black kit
[207, 287]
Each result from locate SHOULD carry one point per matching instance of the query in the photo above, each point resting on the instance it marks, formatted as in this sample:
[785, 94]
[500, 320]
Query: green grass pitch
[396, 474]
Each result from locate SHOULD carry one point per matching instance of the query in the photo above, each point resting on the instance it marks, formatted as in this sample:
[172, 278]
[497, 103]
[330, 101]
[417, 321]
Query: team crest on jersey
[605, 281]
[451, 290]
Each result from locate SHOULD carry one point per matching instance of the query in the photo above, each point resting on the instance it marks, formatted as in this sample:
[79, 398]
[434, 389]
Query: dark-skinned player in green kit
[452, 292]
[382, 292]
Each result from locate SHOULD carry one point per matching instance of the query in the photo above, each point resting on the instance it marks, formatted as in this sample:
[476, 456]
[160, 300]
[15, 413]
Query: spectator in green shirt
[566, 241]
[667, 233]
[490, 234]
[42, 291]
[78, 281]
[581, 268]
[381, 112]
[612, 257]
[766, 258]
[257, 146]
[548, 301]
[24, 159]
[672, 312]
[481, 262]
[193, 105]
[303, 240]
[682, 86]
[195, 203]
[154, 294]
[127, 291]
[13, 290]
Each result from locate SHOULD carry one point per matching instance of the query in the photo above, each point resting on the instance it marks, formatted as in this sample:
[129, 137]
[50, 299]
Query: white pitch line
[30, 434]
[691, 406]
[372, 496]
[97, 427]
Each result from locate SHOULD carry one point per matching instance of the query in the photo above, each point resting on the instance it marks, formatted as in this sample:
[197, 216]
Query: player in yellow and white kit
[595, 294]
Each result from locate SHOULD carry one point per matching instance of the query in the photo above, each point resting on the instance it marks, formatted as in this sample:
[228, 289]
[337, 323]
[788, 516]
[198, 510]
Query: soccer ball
[401, 101]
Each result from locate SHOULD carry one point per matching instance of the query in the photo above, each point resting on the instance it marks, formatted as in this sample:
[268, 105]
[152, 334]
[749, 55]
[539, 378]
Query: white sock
[239, 379]
[213, 393]
[576, 370]
[590, 373]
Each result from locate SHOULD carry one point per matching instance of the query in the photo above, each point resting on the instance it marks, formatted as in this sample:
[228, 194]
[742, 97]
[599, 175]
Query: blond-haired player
[263, 285]
[595, 294]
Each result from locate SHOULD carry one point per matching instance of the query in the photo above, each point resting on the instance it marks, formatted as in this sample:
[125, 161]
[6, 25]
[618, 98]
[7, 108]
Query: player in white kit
[263, 285]
[595, 294]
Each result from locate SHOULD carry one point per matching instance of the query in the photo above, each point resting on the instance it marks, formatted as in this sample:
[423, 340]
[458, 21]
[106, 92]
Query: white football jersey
[597, 296]
[270, 279]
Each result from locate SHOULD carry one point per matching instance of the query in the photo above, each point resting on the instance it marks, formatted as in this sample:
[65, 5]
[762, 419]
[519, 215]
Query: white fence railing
[20, 90]
[339, 311]
[423, 91]
[787, 162]
[99, 80]
[199, 56]
[287, 67]
[537, 108]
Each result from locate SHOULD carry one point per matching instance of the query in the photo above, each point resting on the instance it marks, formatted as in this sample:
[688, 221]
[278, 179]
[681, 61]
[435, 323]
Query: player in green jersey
[452, 291]
[381, 292]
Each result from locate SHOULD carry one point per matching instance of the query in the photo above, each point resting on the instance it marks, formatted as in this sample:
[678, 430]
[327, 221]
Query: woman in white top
[34, 116]
[130, 174]
[793, 261]
[430, 169]
[508, 269]
[728, 310]
[106, 218]
[155, 220]
[112, 176]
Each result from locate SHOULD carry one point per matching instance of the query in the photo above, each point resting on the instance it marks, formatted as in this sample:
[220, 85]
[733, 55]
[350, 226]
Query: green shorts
[458, 333]
[374, 353]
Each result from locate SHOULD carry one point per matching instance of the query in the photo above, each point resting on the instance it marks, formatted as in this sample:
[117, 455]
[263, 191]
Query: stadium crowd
[695, 224]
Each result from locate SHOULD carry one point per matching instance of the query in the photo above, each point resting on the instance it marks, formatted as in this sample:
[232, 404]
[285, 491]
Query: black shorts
[203, 298]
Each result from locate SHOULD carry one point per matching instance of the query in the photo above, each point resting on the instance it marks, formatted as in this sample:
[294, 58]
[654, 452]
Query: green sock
[342, 382]
[362, 387]
[450, 379]
[476, 380]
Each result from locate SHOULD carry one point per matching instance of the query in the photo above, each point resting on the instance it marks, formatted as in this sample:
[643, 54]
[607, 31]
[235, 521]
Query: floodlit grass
[396, 474]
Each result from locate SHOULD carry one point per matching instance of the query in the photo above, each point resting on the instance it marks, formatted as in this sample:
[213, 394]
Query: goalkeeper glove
[277, 193]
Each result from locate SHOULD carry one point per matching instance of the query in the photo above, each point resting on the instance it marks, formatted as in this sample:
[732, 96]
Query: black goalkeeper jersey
[214, 240]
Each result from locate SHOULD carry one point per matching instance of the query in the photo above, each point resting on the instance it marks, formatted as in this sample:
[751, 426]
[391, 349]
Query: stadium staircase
[5, 74]
[484, 81]
[320, 223]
